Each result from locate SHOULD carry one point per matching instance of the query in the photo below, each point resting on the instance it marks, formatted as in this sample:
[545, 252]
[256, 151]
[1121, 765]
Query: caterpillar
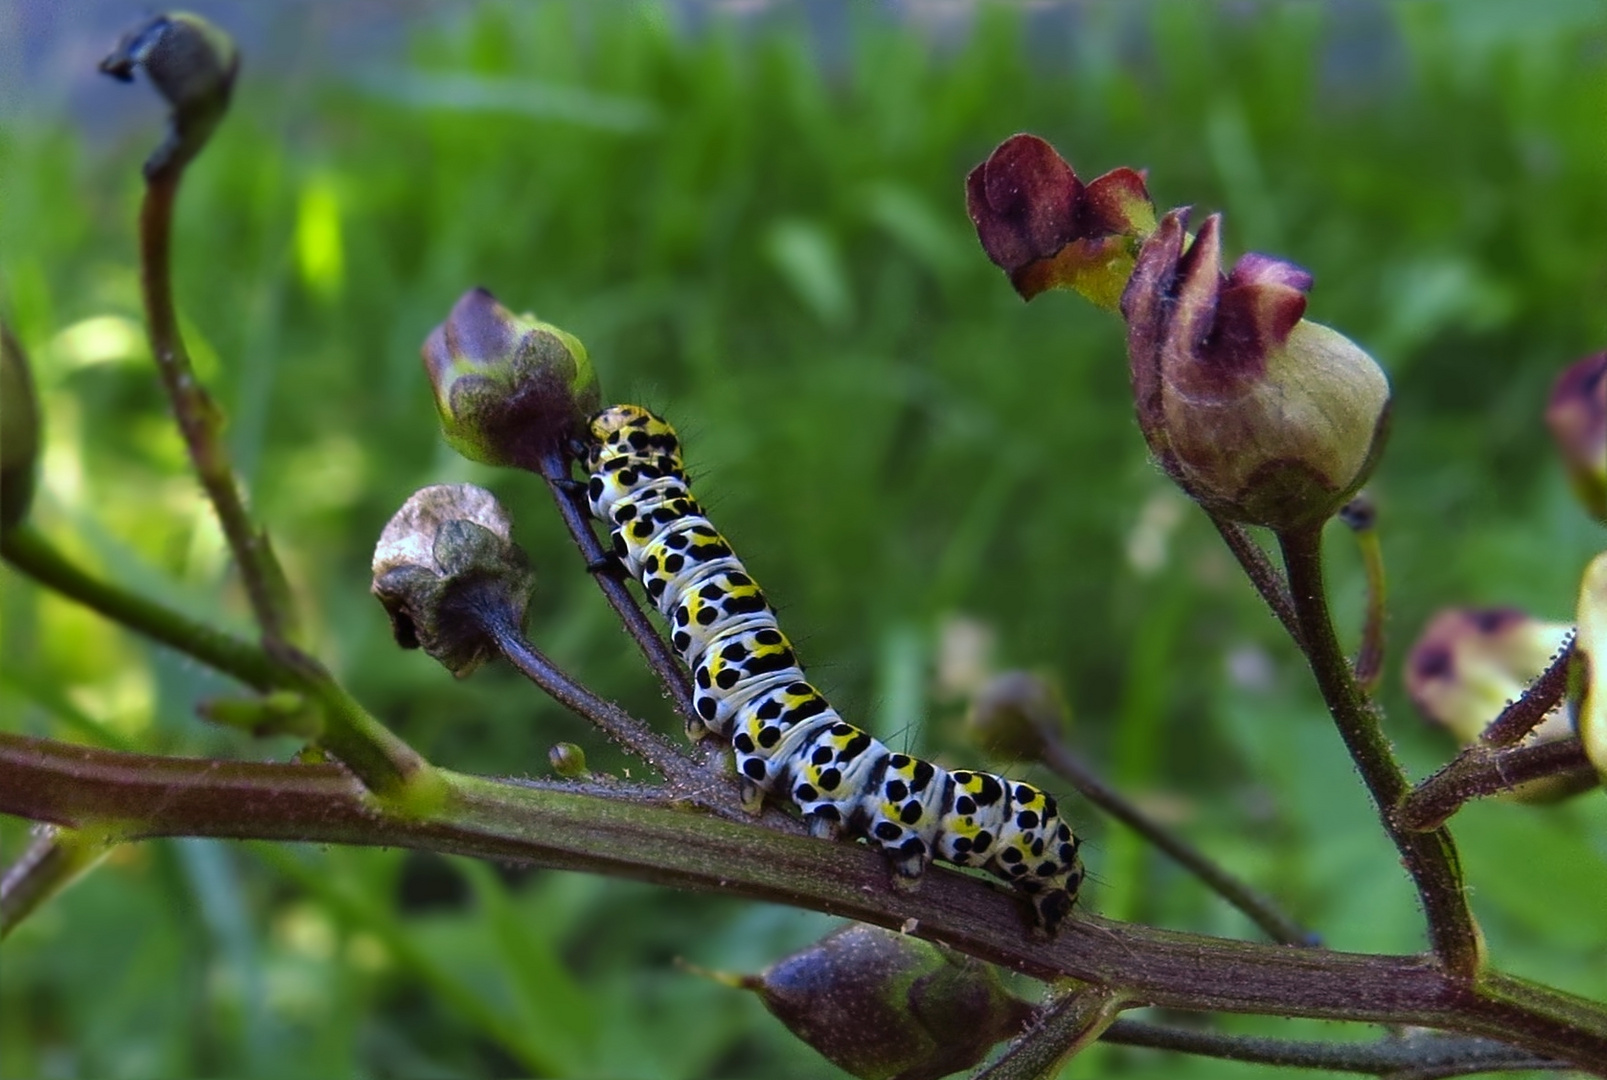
[789, 743]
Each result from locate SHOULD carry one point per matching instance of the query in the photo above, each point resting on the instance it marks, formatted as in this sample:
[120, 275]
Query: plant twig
[54, 859]
[1429, 857]
[1259, 907]
[660, 657]
[1362, 518]
[629, 832]
[198, 417]
[1262, 574]
[672, 763]
[1425, 1055]
[1543, 695]
[25, 548]
[1482, 770]
[1064, 1026]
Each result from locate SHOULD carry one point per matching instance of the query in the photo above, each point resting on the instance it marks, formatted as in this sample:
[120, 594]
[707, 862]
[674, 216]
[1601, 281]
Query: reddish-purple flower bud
[1260, 415]
[509, 389]
[1047, 229]
[1577, 416]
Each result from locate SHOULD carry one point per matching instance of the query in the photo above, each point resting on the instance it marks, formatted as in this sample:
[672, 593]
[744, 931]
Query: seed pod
[1259, 415]
[886, 1006]
[446, 569]
[509, 389]
[192, 64]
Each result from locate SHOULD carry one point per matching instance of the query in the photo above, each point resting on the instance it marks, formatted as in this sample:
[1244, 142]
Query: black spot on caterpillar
[790, 744]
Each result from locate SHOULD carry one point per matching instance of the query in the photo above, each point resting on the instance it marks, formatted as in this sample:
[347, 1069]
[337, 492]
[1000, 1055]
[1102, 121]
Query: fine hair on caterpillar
[790, 744]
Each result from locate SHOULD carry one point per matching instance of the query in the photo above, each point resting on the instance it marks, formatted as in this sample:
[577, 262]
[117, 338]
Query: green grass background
[756, 224]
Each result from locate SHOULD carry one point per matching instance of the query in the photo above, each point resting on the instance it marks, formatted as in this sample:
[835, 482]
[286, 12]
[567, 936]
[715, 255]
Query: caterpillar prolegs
[790, 744]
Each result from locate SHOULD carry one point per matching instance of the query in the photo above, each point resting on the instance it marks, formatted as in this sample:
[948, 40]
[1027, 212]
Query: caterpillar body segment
[789, 743]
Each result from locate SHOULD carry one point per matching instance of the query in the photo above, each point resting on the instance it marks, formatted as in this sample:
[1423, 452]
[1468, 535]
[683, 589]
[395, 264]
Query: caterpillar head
[630, 433]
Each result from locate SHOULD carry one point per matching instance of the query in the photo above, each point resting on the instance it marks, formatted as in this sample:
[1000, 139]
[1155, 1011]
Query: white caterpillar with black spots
[790, 744]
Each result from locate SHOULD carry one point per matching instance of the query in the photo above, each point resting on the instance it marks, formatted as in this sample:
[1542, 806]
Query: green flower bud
[1048, 230]
[446, 567]
[568, 761]
[1014, 713]
[886, 1006]
[19, 431]
[1577, 416]
[1588, 674]
[510, 390]
[1470, 663]
[192, 64]
[1259, 415]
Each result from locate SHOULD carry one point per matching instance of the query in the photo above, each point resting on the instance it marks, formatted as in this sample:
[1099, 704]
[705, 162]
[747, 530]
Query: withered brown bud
[886, 1006]
[192, 64]
[1047, 229]
[1577, 417]
[446, 569]
[19, 431]
[509, 389]
[1014, 713]
[1259, 415]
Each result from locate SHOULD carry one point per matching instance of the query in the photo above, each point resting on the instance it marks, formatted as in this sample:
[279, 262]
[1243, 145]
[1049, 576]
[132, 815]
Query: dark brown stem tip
[192, 64]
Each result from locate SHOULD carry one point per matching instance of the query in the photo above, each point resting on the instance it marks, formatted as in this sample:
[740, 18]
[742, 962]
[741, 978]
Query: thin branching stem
[1482, 770]
[198, 417]
[25, 548]
[1260, 908]
[1262, 574]
[1429, 857]
[620, 726]
[53, 859]
[1424, 1053]
[1524, 714]
[660, 657]
[1064, 1026]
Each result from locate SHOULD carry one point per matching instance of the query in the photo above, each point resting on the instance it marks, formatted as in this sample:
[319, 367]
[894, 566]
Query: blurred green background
[753, 216]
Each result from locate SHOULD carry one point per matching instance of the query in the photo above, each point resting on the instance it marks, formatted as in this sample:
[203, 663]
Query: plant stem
[1262, 574]
[198, 417]
[1424, 1055]
[619, 725]
[384, 762]
[1482, 770]
[1429, 857]
[1543, 695]
[1360, 515]
[54, 860]
[25, 548]
[1064, 1026]
[1261, 909]
[660, 657]
[630, 832]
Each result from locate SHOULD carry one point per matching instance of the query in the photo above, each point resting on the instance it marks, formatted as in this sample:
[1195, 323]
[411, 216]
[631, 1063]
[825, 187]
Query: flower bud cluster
[1260, 415]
